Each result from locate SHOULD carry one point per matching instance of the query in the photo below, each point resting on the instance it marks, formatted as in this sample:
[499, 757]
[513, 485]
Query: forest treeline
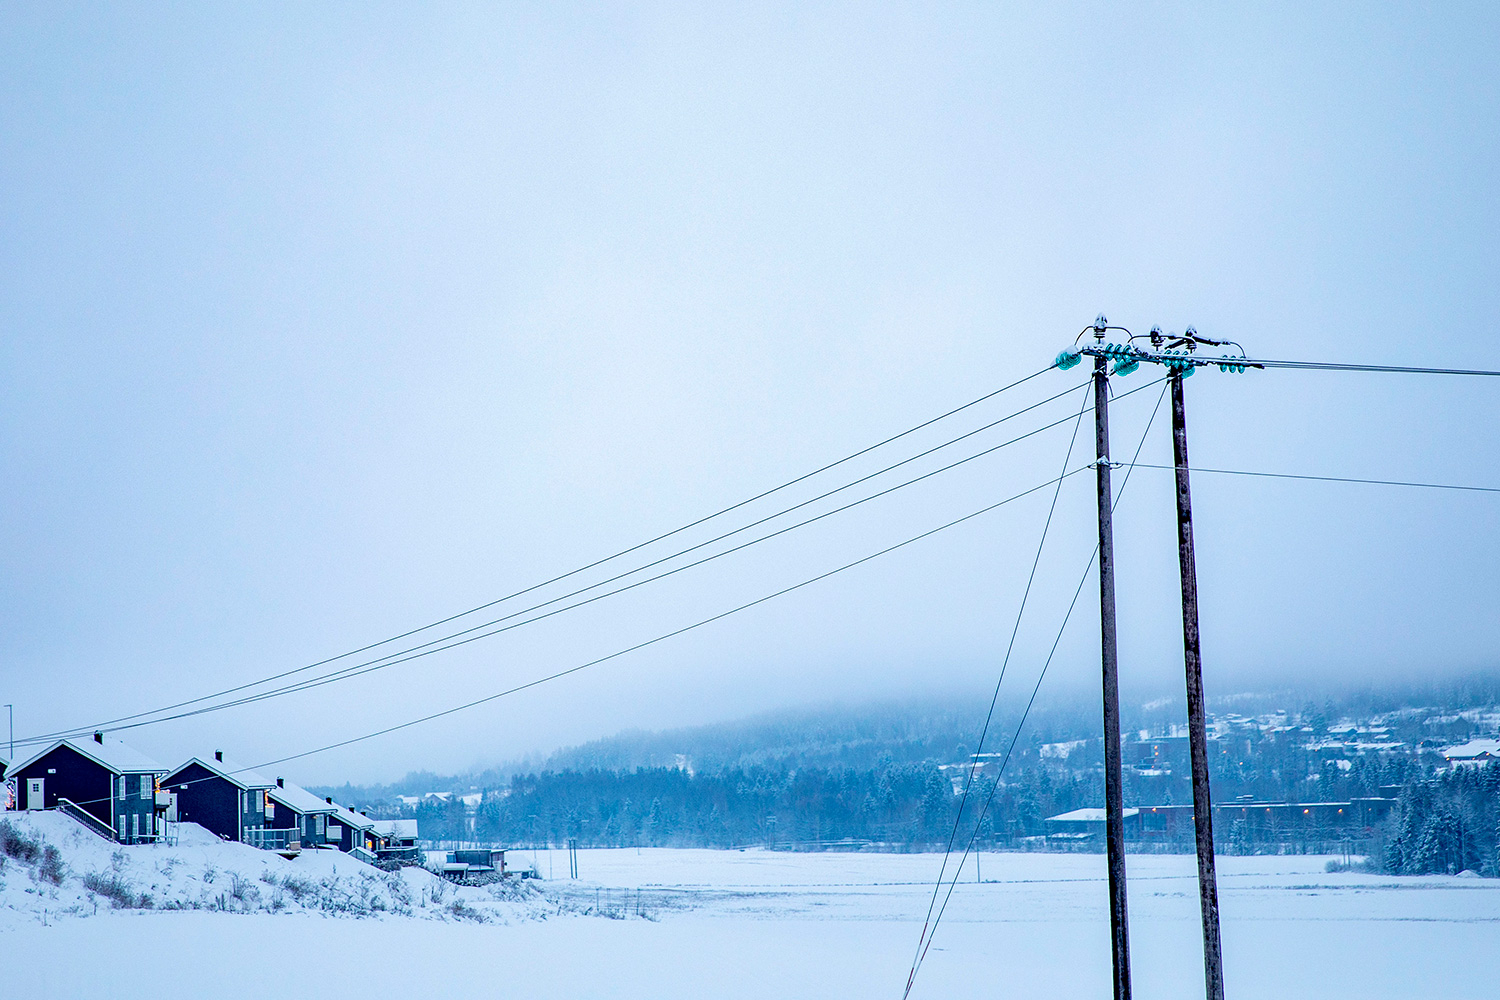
[1443, 823]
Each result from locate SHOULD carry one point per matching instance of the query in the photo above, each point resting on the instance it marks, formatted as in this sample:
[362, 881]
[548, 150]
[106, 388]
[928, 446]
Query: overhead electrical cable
[1332, 366]
[1020, 725]
[995, 698]
[1328, 479]
[379, 662]
[676, 632]
[421, 651]
[311, 666]
[557, 675]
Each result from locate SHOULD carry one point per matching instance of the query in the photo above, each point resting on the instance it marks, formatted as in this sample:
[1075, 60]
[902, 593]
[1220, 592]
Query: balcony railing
[268, 839]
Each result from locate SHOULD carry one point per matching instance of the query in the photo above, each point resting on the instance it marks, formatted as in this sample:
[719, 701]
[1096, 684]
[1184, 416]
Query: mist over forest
[902, 777]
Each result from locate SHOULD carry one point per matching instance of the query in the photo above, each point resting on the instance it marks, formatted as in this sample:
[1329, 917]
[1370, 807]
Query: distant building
[219, 796]
[1260, 821]
[105, 784]
[1089, 823]
[397, 832]
[477, 863]
[352, 832]
[1475, 753]
[398, 841]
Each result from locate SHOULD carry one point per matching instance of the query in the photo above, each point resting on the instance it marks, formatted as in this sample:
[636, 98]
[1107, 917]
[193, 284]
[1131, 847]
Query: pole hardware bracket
[1175, 352]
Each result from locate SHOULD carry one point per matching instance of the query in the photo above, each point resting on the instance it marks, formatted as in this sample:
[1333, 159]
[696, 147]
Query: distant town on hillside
[1403, 777]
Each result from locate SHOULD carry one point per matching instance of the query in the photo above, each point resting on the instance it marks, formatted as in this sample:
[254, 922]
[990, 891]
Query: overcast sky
[324, 322]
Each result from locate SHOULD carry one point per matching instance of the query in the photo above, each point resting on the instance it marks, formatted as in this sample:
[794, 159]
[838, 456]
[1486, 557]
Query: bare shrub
[243, 890]
[463, 911]
[112, 887]
[51, 866]
[15, 844]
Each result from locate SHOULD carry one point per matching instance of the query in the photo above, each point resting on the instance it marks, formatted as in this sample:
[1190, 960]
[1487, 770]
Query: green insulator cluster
[1178, 362]
[1228, 365]
[1068, 358]
[1126, 358]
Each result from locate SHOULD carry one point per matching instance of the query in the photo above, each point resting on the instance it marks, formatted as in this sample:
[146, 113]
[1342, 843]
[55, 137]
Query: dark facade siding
[95, 789]
[346, 835]
[136, 811]
[206, 799]
[77, 778]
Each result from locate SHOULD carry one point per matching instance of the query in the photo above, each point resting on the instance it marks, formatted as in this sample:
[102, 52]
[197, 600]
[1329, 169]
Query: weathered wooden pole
[1203, 819]
[1114, 791]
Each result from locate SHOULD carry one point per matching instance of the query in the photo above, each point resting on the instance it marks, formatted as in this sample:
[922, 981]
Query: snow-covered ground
[93, 877]
[761, 924]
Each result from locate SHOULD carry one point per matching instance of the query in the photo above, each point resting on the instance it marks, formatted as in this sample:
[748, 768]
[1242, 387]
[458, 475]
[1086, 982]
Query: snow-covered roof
[1473, 750]
[349, 817]
[230, 771]
[1086, 816]
[116, 755]
[406, 829]
[296, 797]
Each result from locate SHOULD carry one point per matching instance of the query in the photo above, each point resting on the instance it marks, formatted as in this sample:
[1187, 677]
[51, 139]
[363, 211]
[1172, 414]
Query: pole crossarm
[1127, 358]
[1178, 353]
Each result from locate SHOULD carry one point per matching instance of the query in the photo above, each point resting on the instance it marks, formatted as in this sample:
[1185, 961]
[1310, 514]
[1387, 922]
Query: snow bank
[83, 875]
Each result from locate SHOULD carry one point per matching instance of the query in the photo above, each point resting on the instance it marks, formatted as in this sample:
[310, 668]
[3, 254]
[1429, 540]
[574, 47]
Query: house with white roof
[302, 814]
[1475, 753]
[397, 832]
[220, 796]
[352, 831]
[105, 784]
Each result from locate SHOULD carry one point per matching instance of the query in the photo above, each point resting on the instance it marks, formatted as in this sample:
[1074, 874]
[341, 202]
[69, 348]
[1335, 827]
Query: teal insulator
[1178, 364]
[1125, 366]
[1067, 359]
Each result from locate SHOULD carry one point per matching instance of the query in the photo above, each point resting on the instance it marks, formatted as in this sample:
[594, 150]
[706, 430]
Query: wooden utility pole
[1114, 791]
[1203, 820]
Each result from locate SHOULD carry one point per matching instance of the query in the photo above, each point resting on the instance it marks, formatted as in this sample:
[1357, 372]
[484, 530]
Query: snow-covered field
[758, 923]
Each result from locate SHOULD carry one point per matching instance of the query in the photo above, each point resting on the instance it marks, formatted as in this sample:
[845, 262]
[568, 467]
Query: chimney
[98, 737]
[280, 783]
[219, 756]
[328, 799]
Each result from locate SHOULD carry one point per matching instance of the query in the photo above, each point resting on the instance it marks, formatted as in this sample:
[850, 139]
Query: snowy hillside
[52, 869]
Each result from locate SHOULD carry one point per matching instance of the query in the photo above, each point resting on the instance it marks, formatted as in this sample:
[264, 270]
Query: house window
[145, 786]
[318, 824]
[135, 825]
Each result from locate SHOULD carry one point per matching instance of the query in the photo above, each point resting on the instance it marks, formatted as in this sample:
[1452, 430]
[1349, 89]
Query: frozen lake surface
[762, 924]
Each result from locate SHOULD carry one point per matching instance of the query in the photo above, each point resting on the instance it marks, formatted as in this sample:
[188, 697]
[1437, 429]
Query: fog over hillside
[936, 731]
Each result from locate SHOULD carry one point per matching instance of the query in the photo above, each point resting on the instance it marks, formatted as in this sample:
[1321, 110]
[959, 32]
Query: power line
[416, 652]
[1020, 725]
[324, 662]
[664, 636]
[420, 651]
[995, 698]
[1337, 367]
[676, 632]
[1329, 479]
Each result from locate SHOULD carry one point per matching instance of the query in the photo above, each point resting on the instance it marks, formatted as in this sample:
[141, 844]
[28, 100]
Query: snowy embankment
[52, 869]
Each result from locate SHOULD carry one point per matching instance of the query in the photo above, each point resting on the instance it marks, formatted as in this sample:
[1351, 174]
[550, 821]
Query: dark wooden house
[105, 784]
[302, 814]
[352, 832]
[220, 796]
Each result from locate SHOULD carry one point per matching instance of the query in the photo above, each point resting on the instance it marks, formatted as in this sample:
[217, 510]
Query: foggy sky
[321, 323]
